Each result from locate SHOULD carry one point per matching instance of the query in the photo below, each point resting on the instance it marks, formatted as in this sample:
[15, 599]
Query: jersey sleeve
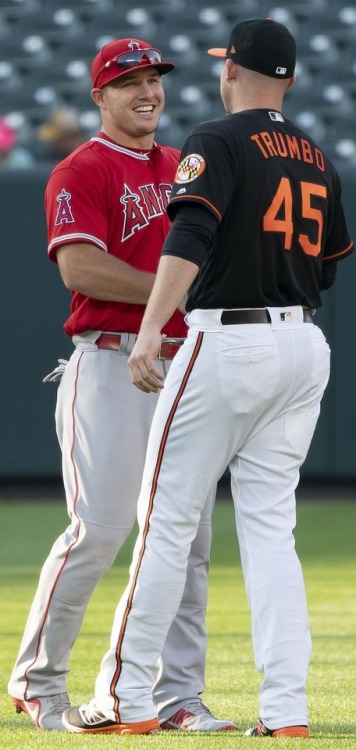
[75, 209]
[206, 174]
[191, 233]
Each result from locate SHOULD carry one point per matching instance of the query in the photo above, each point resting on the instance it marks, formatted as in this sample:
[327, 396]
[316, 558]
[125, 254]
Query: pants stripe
[64, 561]
[185, 379]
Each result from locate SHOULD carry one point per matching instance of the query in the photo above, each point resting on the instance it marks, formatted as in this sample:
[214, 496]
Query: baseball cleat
[259, 730]
[89, 720]
[45, 712]
[196, 717]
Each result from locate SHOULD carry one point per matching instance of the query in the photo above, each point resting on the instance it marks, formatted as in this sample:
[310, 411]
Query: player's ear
[230, 70]
[291, 82]
[97, 96]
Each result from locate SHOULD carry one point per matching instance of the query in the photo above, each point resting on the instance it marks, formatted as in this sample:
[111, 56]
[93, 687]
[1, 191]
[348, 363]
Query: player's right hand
[142, 362]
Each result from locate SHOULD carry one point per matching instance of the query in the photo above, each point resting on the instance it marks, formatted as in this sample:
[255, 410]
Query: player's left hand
[142, 362]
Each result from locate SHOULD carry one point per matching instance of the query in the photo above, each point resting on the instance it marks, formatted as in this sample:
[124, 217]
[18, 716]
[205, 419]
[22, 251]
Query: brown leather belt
[234, 317]
[168, 349]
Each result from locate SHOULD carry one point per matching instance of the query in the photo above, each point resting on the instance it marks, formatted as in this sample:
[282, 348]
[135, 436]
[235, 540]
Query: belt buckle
[172, 345]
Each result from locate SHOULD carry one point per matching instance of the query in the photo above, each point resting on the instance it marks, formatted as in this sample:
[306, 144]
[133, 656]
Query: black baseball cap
[263, 45]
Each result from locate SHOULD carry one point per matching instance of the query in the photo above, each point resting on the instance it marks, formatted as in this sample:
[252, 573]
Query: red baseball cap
[124, 55]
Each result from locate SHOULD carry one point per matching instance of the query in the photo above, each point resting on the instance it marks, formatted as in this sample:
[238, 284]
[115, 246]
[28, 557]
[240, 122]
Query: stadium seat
[238, 11]
[19, 100]
[10, 78]
[14, 9]
[180, 49]
[121, 22]
[84, 49]
[80, 100]
[312, 124]
[21, 110]
[25, 53]
[343, 73]
[73, 78]
[303, 10]
[46, 48]
[339, 26]
[6, 27]
[84, 9]
[318, 51]
[340, 145]
[170, 132]
[52, 25]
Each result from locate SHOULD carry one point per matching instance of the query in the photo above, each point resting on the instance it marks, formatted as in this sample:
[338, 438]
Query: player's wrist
[151, 327]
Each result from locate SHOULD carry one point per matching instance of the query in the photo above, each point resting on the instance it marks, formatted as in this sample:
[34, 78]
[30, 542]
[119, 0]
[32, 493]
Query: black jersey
[277, 200]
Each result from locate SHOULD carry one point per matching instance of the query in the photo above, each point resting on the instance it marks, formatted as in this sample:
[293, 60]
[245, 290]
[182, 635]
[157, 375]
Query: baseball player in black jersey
[258, 229]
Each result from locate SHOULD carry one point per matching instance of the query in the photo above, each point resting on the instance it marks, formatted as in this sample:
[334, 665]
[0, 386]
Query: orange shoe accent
[139, 727]
[31, 708]
[291, 732]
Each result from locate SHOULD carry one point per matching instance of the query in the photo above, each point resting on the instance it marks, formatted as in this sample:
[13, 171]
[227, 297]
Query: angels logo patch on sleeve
[64, 212]
[191, 167]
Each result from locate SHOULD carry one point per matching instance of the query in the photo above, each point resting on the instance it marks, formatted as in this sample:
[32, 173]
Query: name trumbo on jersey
[276, 143]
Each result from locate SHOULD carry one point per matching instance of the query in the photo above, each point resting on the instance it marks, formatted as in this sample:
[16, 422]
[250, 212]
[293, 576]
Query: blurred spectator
[59, 136]
[12, 155]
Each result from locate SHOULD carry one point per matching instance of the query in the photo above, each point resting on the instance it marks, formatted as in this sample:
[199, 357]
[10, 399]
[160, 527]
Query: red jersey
[115, 198]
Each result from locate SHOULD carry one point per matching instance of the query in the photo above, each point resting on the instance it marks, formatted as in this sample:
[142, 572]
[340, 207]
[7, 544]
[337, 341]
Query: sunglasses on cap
[133, 58]
[137, 57]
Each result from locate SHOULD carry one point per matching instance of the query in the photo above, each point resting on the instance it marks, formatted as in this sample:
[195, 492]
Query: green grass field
[326, 543]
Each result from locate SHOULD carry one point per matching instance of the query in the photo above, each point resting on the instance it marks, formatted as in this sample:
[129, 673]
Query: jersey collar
[139, 154]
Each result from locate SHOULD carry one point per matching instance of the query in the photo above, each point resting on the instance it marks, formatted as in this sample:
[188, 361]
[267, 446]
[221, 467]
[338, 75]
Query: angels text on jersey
[139, 207]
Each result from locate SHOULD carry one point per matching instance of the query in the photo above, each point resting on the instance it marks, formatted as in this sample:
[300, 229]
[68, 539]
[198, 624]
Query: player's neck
[251, 100]
[142, 142]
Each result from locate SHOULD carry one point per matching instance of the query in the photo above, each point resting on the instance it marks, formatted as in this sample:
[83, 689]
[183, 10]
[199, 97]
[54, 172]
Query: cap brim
[217, 52]
[163, 67]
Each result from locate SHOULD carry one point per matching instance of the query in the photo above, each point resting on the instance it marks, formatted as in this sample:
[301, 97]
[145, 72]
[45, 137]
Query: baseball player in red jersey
[258, 228]
[106, 213]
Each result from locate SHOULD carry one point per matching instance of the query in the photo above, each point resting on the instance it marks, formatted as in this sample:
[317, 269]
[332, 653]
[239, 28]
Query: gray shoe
[45, 712]
[196, 717]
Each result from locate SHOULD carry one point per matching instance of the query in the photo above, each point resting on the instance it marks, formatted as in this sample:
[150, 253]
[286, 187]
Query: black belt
[235, 317]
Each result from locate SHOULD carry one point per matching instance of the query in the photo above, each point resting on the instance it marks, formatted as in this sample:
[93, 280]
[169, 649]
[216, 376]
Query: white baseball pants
[247, 396]
[103, 423]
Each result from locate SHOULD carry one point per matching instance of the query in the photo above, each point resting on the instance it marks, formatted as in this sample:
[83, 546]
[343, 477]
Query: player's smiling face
[131, 107]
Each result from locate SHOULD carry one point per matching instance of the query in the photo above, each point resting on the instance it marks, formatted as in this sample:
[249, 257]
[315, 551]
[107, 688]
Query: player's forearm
[87, 270]
[124, 284]
[174, 277]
